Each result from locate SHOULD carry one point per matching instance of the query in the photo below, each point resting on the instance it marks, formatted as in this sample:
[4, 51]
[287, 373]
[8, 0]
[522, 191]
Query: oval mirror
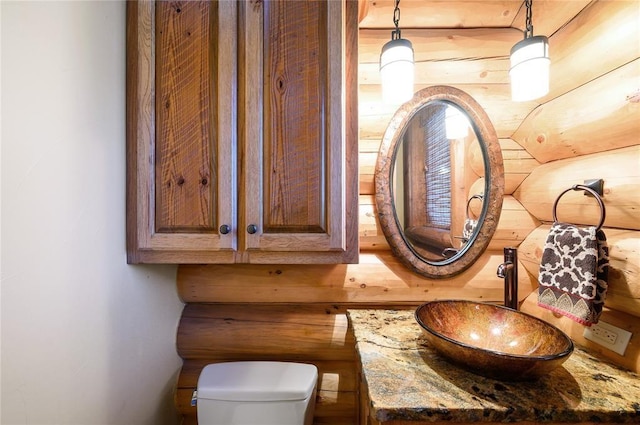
[439, 182]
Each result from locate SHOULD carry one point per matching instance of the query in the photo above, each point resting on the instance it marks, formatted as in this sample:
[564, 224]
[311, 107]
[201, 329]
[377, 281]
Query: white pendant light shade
[396, 71]
[530, 69]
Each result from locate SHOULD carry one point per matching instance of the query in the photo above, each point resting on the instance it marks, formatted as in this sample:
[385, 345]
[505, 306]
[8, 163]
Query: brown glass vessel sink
[493, 341]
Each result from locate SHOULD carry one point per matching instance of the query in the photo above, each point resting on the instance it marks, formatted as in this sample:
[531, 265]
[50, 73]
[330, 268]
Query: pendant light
[396, 65]
[529, 64]
[456, 123]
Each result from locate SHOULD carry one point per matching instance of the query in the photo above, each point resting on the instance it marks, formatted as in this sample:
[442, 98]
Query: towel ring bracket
[592, 192]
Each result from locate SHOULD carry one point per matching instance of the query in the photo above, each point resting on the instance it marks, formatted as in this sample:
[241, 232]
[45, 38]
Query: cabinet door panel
[181, 117]
[297, 131]
[295, 99]
[185, 137]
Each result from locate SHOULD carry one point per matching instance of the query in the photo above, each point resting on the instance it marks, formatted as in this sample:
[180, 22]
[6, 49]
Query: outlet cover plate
[608, 336]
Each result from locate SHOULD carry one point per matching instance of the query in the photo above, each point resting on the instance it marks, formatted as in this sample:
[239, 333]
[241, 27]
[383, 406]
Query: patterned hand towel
[468, 229]
[574, 272]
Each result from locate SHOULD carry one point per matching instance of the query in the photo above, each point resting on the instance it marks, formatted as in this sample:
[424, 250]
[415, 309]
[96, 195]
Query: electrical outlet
[609, 336]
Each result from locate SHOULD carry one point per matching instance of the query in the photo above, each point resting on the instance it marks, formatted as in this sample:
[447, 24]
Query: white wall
[86, 339]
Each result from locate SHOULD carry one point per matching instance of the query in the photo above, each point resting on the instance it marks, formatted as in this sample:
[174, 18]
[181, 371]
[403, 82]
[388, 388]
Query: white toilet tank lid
[257, 381]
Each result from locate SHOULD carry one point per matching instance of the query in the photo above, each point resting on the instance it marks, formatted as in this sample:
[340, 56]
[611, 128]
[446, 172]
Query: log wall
[587, 127]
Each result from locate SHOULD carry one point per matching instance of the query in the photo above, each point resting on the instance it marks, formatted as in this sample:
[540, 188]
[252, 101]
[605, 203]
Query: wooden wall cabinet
[242, 132]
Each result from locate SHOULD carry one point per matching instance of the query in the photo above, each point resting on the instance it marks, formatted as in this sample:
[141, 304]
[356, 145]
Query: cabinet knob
[225, 228]
[252, 228]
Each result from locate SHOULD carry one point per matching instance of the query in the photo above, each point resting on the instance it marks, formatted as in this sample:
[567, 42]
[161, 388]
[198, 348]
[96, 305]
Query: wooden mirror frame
[493, 182]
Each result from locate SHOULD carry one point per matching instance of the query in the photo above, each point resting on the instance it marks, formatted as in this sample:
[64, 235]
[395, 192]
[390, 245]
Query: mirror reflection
[434, 178]
[439, 182]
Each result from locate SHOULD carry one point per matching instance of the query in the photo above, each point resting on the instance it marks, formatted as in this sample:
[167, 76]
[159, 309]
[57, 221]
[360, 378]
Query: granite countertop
[407, 380]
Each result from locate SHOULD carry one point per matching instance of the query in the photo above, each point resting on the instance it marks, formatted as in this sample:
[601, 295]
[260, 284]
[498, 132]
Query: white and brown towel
[574, 272]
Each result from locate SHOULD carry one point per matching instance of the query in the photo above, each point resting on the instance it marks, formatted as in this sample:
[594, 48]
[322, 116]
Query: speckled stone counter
[407, 380]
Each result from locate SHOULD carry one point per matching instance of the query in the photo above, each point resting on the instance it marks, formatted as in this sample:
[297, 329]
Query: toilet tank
[256, 393]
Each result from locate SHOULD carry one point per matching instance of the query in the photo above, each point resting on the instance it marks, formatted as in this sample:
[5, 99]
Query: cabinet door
[298, 109]
[181, 131]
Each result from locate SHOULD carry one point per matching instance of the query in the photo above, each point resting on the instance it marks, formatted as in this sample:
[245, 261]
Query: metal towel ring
[592, 192]
[476, 196]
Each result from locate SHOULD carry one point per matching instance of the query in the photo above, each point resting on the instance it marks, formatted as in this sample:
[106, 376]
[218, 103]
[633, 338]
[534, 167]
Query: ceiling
[548, 15]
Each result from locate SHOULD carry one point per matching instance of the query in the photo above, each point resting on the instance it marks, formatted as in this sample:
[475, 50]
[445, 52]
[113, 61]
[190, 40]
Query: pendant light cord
[528, 31]
[395, 34]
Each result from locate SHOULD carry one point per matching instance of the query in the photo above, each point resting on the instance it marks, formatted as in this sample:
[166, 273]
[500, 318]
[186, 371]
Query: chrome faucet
[509, 271]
